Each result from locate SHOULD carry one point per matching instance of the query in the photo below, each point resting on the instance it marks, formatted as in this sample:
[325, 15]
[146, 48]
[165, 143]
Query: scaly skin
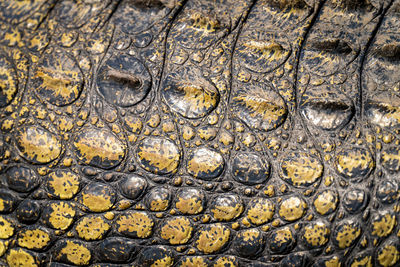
[199, 133]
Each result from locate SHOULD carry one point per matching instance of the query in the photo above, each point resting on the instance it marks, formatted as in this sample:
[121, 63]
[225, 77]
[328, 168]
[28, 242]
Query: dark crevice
[301, 48]
[108, 20]
[125, 79]
[239, 30]
[155, 98]
[147, 4]
[48, 14]
[164, 60]
[265, 151]
[241, 25]
[296, 93]
[181, 142]
[336, 46]
[114, 10]
[359, 103]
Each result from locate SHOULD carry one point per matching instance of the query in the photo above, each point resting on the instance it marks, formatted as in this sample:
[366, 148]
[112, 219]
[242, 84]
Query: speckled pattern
[191, 133]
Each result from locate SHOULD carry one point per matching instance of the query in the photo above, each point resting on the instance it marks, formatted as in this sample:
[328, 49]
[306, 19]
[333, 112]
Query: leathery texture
[200, 133]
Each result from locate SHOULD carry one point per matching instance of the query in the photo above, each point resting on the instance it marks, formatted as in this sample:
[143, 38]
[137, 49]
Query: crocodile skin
[200, 133]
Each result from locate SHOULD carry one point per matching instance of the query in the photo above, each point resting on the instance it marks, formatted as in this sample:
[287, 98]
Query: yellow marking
[18, 257]
[177, 230]
[6, 228]
[62, 215]
[213, 239]
[33, 239]
[76, 253]
[138, 223]
[292, 208]
[63, 184]
[92, 228]
[37, 144]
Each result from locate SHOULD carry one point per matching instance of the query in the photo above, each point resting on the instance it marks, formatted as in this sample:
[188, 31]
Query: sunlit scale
[328, 56]
[346, 233]
[59, 215]
[300, 169]
[326, 202]
[326, 109]
[92, 227]
[190, 201]
[250, 169]
[192, 97]
[37, 144]
[226, 208]
[99, 148]
[63, 184]
[159, 156]
[72, 252]
[263, 55]
[158, 199]
[282, 240]
[384, 110]
[20, 257]
[177, 231]
[390, 158]
[97, 197]
[259, 106]
[198, 30]
[134, 224]
[292, 208]
[32, 238]
[212, 238]
[316, 234]
[189, 261]
[58, 79]
[205, 163]
[354, 163]
[260, 210]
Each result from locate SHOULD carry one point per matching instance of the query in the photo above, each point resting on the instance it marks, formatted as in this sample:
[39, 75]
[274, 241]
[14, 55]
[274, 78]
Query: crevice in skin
[107, 20]
[359, 103]
[264, 152]
[228, 99]
[373, 183]
[161, 76]
[48, 14]
[233, 50]
[115, 8]
[164, 60]
[239, 27]
[228, 113]
[296, 94]
[24, 90]
[313, 20]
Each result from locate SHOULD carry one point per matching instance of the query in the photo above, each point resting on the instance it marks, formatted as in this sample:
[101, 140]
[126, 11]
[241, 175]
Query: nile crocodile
[200, 133]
